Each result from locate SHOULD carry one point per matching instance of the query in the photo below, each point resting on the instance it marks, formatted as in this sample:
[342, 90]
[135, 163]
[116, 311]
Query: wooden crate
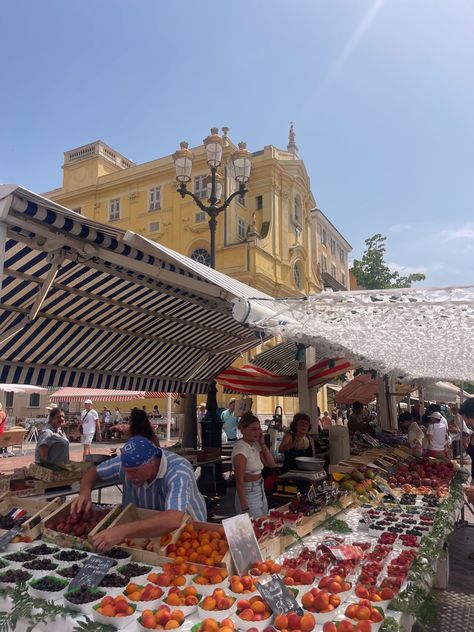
[37, 510]
[49, 476]
[26, 487]
[67, 540]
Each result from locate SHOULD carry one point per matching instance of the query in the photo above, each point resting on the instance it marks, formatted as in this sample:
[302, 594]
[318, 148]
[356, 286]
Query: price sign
[385, 489]
[93, 572]
[278, 596]
[367, 519]
[243, 544]
[7, 537]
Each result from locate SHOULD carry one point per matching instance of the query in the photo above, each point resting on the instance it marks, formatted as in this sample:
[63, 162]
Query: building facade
[332, 251]
[265, 240]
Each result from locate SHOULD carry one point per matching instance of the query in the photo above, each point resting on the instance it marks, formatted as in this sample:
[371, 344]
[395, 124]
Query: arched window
[298, 275]
[202, 256]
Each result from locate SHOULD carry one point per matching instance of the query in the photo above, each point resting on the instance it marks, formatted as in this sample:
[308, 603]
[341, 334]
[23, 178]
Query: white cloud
[400, 228]
[403, 270]
[465, 231]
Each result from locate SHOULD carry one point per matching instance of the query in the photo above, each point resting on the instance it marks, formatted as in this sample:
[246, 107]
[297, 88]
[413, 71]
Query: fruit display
[49, 584]
[113, 580]
[253, 610]
[261, 568]
[132, 569]
[189, 597]
[320, 601]
[167, 579]
[71, 555]
[294, 621]
[84, 595]
[334, 584]
[70, 571]
[40, 564]
[211, 625]
[364, 611]
[116, 553]
[15, 576]
[80, 524]
[218, 601]
[115, 607]
[161, 619]
[136, 593]
[43, 549]
[360, 480]
[210, 576]
[374, 594]
[20, 557]
[298, 577]
[199, 545]
[244, 584]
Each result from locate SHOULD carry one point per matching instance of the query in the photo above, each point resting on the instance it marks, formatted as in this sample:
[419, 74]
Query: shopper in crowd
[201, 412]
[52, 446]
[89, 426]
[156, 411]
[117, 416]
[466, 410]
[413, 432]
[152, 478]
[326, 421]
[249, 456]
[3, 422]
[140, 426]
[297, 442]
[437, 435]
[357, 421]
[231, 422]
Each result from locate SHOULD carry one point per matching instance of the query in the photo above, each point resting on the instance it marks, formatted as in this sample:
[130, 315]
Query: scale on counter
[294, 481]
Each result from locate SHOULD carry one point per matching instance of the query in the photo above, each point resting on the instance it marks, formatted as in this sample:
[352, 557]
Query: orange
[172, 625]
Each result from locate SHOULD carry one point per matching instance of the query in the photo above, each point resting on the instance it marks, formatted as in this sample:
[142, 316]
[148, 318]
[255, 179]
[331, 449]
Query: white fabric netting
[409, 333]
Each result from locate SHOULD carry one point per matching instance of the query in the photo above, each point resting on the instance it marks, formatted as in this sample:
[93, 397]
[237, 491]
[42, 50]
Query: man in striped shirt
[152, 478]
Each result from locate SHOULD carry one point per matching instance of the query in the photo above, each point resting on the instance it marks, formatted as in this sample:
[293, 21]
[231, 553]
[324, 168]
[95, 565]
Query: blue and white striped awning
[87, 305]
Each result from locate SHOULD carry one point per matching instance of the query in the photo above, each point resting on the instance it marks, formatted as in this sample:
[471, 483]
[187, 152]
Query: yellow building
[264, 240]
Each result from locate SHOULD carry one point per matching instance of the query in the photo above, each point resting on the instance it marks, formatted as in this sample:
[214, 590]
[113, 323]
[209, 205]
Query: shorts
[86, 439]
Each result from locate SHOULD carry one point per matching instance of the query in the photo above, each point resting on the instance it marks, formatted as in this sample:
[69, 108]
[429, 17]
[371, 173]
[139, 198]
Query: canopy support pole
[168, 416]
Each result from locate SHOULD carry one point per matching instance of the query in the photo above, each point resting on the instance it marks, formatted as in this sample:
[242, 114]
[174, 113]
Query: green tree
[372, 273]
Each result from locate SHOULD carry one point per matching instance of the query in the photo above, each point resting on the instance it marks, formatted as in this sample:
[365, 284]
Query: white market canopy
[407, 333]
[88, 305]
[79, 395]
[22, 388]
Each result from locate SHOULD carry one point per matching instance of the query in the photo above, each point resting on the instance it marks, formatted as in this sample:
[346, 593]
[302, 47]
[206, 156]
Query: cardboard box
[67, 540]
[37, 511]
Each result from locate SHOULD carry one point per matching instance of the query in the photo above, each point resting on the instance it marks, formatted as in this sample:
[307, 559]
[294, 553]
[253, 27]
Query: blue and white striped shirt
[173, 488]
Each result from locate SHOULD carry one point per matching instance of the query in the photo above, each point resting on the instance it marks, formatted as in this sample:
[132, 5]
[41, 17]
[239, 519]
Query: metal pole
[212, 228]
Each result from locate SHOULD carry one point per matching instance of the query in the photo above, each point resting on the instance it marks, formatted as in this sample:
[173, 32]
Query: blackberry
[70, 556]
[43, 549]
[40, 564]
[84, 594]
[15, 576]
[51, 584]
[116, 553]
[20, 556]
[133, 570]
[70, 572]
[113, 580]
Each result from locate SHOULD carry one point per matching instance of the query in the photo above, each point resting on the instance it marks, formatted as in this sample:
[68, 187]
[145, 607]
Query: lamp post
[241, 164]
[211, 426]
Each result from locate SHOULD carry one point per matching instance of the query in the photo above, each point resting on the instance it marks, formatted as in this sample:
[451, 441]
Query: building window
[78, 210]
[154, 199]
[342, 255]
[200, 187]
[34, 400]
[333, 247]
[334, 272]
[242, 229]
[154, 227]
[324, 264]
[201, 256]
[9, 399]
[114, 209]
[324, 237]
[259, 202]
[343, 279]
[297, 210]
[200, 217]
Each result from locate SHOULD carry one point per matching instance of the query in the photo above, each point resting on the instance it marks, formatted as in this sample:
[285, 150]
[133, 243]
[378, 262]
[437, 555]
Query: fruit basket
[115, 611]
[83, 599]
[47, 587]
[210, 578]
[163, 618]
[185, 600]
[40, 566]
[253, 614]
[208, 545]
[75, 532]
[219, 606]
[143, 597]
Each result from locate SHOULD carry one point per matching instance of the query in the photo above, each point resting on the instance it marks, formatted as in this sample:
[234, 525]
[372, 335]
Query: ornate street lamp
[241, 165]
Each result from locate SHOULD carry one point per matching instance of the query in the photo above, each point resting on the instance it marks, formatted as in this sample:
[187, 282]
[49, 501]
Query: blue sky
[381, 93]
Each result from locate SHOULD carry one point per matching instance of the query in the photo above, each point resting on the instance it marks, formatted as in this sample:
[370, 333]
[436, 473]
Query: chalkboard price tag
[278, 596]
[93, 572]
[7, 537]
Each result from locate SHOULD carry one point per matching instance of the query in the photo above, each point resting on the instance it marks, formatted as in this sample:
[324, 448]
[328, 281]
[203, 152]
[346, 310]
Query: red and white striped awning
[259, 381]
[78, 395]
